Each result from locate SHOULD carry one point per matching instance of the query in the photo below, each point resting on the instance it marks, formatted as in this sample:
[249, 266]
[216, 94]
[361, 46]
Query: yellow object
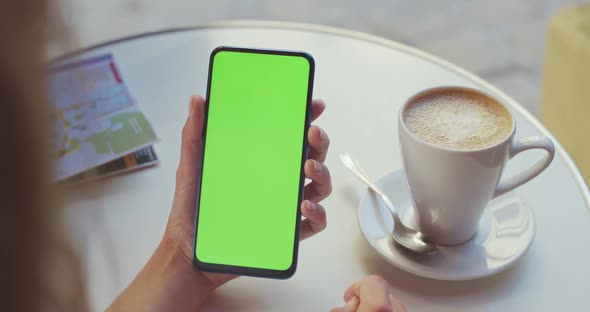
[565, 106]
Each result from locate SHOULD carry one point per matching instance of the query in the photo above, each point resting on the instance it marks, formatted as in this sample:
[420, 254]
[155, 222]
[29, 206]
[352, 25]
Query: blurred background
[536, 51]
[502, 41]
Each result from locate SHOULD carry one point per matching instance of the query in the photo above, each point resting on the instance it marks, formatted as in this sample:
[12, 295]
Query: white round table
[364, 80]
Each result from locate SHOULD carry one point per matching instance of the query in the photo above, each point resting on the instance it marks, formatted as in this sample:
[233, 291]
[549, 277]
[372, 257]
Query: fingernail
[311, 206]
[190, 106]
[317, 166]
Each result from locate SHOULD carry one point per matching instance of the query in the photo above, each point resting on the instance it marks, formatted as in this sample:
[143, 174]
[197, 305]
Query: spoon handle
[356, 169]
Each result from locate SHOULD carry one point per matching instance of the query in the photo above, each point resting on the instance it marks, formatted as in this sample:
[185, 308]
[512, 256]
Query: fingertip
[349, 306]
[196, 102]
[313, 169]
[320, 104]
[314, 133]
[316, 214]
[308, 167]
[354, 301]
[317, 108]
[317, 167]
[305, 207]
[197, 98]
[318, 139]
[310, 206]
[191, 105]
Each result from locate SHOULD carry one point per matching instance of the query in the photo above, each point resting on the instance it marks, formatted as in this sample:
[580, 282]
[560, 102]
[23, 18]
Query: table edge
[363, 37]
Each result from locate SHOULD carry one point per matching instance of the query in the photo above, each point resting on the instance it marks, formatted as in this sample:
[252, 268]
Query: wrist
[177, 272]
[168, 282]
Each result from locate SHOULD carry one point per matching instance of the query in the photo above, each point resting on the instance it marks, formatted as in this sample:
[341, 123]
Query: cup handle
[523, 177]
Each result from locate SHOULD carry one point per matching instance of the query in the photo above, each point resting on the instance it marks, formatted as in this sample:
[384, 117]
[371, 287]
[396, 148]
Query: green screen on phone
[252, 177]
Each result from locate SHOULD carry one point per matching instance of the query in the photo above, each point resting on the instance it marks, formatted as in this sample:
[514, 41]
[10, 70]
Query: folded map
[95, 119]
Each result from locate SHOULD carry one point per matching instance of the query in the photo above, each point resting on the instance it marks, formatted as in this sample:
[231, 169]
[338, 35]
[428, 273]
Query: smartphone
[257, 115]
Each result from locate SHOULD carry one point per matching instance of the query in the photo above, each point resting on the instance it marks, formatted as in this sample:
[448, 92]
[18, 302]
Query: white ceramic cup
[451, 188]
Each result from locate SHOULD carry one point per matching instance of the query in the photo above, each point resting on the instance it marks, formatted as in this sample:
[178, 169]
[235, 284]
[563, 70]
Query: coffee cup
[455, 143]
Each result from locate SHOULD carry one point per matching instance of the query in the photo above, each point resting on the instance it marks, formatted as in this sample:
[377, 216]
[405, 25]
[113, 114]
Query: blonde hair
[40, 272]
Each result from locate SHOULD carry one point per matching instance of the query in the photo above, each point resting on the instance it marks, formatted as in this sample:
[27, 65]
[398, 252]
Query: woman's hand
[169, 281]
[371, 294]
[180, 228]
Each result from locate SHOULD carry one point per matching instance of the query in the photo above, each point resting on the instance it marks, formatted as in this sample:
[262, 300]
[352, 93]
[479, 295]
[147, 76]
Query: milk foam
[459, 120]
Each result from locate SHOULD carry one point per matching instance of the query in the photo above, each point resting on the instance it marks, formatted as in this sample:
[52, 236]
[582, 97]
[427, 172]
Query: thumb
[350, 306]
[191, 142]
[187, 174]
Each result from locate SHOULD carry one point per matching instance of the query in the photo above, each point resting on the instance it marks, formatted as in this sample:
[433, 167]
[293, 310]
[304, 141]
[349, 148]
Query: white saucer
[506, 232]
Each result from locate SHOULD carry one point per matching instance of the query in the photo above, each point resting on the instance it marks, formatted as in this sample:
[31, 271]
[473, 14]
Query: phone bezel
[249, 271]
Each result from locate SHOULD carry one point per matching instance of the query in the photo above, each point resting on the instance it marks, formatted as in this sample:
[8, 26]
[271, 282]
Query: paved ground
[501, 41]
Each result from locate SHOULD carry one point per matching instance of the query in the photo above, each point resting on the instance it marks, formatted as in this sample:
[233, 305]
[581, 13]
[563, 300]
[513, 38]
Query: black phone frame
[250, 271]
